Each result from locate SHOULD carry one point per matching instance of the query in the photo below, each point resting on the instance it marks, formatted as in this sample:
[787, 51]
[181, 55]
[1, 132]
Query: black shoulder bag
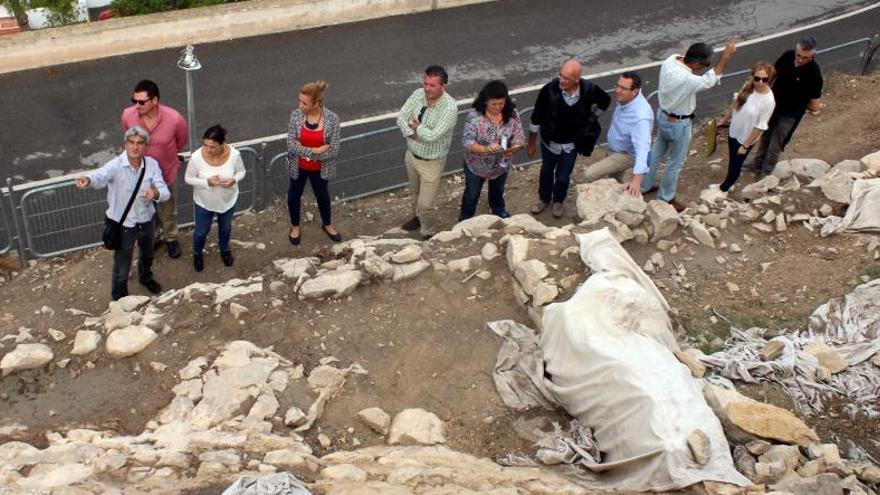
[112, 229]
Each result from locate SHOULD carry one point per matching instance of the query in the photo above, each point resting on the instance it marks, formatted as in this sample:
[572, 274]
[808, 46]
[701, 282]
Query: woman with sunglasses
[748, 116]
[312, 146]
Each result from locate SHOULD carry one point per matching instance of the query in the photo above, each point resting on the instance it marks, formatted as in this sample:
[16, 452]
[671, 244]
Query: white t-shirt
[216, 199]
[755, 113]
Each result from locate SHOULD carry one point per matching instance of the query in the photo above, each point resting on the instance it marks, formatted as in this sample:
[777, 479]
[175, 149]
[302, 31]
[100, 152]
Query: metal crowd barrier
[54, 218]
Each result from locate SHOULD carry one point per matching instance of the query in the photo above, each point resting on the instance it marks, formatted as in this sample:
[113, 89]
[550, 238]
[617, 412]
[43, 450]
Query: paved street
[65, 118]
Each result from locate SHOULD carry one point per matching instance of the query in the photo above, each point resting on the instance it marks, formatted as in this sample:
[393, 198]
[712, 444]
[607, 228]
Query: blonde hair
[315, 91]
[749, 86]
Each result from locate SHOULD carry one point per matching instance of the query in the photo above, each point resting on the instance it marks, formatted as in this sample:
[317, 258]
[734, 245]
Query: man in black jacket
[566, 116]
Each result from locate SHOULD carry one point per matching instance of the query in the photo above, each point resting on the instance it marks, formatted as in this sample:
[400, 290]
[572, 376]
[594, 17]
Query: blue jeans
[555, 175]
[203, 227]
[473, 186]
[673, 139]
[142, 235]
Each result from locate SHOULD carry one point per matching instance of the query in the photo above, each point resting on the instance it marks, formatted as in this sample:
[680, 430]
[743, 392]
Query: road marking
[527, 89]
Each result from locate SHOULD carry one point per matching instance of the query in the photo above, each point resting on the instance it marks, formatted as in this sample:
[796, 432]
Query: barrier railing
[53, 218]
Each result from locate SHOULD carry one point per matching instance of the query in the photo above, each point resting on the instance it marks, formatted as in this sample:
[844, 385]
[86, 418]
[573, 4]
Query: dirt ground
[425, 342]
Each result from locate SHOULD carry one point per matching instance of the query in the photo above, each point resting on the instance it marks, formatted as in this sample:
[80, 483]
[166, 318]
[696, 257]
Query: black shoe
[152, 286]
[174, 249]
[337, 237]
[198, 262]
[227, 257]
[294, 240]
[412, 224]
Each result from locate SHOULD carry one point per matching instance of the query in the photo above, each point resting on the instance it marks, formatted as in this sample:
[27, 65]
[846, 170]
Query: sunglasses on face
[140, 102]
[761, 79]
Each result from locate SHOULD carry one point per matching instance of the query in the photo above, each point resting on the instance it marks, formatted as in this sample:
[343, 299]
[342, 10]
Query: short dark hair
[698, 53]
[807, 43]
[149, 87]
[437, 71]
[492, 90]
[634, 77]
[215, 133]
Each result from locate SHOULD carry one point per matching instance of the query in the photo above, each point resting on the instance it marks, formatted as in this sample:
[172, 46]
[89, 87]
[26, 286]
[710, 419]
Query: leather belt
[417, 157]
[676, 116]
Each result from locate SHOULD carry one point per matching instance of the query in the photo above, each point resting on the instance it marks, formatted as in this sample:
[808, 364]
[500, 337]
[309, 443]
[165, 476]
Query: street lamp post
[189, 63]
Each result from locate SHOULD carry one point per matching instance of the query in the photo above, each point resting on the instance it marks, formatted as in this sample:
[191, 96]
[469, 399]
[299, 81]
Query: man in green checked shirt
[427, 120]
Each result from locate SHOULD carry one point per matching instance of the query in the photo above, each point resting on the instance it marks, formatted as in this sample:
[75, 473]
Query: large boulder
[837, 186]
[597, 199]
[746, 419]
[25, 357]
[129, 341]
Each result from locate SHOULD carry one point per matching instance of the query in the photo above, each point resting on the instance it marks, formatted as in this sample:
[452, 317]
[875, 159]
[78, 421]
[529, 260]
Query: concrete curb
[47, 47]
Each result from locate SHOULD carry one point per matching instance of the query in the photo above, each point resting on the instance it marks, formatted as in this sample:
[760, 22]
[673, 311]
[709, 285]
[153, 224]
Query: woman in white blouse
[214, 171]
[749, 115]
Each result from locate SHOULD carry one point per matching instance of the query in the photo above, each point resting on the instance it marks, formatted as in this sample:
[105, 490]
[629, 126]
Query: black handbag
[112, 236]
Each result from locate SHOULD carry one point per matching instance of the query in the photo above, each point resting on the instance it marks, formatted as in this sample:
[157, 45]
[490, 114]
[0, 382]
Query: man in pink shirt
[168, 136]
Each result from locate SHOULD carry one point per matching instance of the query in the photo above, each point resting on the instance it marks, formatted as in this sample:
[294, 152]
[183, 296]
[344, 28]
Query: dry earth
[425, 341]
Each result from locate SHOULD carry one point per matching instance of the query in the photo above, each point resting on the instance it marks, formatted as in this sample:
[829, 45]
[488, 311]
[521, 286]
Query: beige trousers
[424, 182]
[613, 165]
[166, 217]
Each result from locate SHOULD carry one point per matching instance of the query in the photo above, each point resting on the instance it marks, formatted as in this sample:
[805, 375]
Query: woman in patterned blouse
[492, 134]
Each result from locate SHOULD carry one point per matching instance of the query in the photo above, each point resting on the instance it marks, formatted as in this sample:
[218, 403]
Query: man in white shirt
[119, 176]
[680, 81]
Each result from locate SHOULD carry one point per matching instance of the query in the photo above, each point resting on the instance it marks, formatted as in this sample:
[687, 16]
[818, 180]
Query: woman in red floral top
[492, 134]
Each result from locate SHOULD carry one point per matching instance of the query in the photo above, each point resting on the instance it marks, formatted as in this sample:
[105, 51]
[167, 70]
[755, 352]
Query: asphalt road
[64, 118]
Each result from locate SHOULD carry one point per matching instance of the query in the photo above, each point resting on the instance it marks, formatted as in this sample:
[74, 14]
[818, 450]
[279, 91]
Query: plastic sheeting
[608, 352]
[863, 214]
[849, 324]
[271, 484]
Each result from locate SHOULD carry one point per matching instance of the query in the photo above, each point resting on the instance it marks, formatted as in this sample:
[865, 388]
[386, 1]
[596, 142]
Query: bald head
[570, 75]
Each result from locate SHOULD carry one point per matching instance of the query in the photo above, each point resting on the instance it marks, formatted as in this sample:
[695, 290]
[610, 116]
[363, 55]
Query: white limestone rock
[837, 186]
[416, 425]
[295, 268]
[809, 169]
[335, 283]
[597, 199]
[702, 234]
[480, 224]
[465, 264]
[377, 267]
[759, 188]
[409, 271]
[237, 310]
[376, 419]
[489, 251]
[408, 254]
[544, 294]
[25, 357]
[871, 161]
[530, 273]
[516, 250]
[85, 342]
[129, 341]
[663, 218]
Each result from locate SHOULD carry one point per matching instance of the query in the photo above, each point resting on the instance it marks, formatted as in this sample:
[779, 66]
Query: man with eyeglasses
[427, 121]
[681, 78]
[629, 136]
[169, 134]
[797, 90]
[566, 117]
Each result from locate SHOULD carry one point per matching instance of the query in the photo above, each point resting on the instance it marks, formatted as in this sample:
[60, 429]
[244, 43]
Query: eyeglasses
[140, 102]
[805, 57]
[760, 79]
[568, 78]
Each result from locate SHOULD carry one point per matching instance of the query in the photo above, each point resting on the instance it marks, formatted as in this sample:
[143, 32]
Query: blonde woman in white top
[214, 171]
[749, 115]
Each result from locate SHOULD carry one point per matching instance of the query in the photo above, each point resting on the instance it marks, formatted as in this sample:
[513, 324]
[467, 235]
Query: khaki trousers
[166, 217]
[424, 182]
[613, 165]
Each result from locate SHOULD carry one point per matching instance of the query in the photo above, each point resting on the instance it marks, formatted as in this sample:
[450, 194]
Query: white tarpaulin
[863, 214]
[850, 325]
[609, 354]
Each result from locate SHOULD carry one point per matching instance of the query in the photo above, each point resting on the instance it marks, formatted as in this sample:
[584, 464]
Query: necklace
[310, 125]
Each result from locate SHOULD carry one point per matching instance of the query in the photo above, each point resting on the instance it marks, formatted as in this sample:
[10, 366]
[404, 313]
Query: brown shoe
[679, 207]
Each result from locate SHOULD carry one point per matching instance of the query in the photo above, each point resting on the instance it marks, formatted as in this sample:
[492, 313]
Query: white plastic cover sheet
[863, 214]
[850, 324]
[608, 351]
[283, 483]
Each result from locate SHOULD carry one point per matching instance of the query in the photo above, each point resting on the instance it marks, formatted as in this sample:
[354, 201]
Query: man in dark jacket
[797, 90]
[565, 115]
